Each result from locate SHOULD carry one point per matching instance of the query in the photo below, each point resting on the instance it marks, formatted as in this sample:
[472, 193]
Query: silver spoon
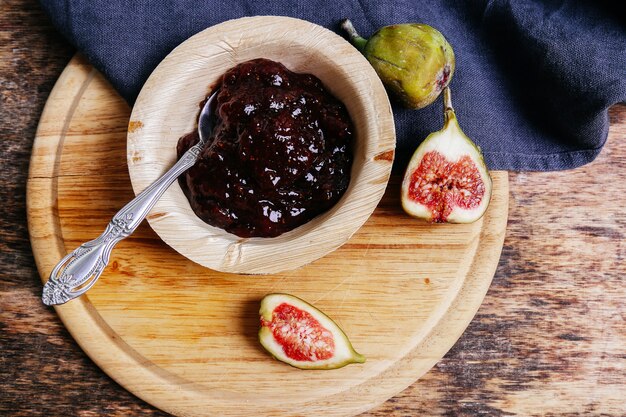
[80, 269]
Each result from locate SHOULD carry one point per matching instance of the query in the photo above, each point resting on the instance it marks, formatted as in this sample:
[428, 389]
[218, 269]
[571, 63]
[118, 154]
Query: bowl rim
[306, 243]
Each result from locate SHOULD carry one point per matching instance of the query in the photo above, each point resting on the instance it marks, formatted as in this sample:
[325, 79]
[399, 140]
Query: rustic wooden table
[549, 339]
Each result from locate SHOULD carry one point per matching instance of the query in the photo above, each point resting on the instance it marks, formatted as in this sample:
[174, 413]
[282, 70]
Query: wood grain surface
[548, 340]
[184, 338]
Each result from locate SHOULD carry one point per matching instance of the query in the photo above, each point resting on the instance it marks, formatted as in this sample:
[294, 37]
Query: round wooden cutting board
[184, 338]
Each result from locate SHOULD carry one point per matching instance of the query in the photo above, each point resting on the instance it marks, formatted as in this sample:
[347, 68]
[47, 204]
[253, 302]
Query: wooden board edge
[96, 337]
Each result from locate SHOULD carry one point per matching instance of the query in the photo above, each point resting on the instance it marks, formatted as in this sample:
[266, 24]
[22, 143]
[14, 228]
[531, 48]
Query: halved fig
[447, 179]
[295, 332]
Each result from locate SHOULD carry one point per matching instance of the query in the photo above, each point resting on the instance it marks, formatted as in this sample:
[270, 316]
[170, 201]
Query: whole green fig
[413, 60]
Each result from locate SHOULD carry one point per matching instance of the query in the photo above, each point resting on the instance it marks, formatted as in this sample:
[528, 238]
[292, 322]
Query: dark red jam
[280, 152]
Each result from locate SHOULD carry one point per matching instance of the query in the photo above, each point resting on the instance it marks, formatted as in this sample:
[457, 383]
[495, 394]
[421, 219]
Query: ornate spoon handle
[80, 269]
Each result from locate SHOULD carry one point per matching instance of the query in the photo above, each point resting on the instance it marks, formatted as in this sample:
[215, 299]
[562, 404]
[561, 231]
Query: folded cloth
[533, 81]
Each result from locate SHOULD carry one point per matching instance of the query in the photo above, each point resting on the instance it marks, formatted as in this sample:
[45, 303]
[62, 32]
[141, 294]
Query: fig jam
[279, 154]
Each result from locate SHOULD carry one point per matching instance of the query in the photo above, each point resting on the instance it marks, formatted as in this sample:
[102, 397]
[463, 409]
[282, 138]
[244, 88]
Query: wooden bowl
[167, 108]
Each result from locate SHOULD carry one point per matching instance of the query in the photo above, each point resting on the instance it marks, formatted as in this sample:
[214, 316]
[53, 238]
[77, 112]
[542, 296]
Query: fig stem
[447, 99]
[357, 40]
[448, 110]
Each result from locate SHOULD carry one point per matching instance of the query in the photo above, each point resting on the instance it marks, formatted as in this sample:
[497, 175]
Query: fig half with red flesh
[447, 179]
[295, 332]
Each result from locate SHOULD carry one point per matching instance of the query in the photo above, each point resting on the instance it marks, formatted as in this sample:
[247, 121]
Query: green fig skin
[415, 61]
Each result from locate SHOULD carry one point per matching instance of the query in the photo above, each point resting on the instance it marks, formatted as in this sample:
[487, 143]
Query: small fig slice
[297, 333]
[447, 179]
[414, 60]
